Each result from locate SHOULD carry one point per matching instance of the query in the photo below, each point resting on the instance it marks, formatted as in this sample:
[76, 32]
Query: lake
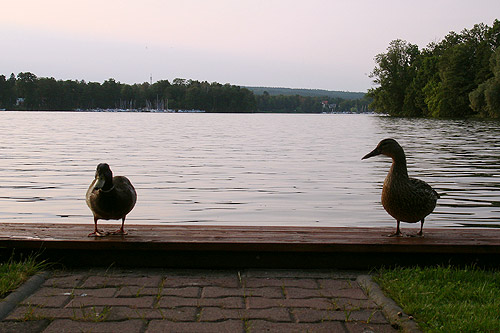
[244, 169]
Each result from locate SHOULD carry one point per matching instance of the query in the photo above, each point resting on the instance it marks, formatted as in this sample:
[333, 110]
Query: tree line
[51, 94]
[26, 91]
[455, 78]
[276, 91]
[310, 104]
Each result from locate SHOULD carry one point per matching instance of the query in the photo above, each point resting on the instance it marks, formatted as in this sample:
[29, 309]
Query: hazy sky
[324, 44]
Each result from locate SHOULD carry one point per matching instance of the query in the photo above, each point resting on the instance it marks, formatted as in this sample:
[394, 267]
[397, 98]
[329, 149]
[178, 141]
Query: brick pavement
[173, 300]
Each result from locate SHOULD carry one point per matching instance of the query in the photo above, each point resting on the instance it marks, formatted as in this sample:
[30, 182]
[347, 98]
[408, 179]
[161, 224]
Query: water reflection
[244, 169]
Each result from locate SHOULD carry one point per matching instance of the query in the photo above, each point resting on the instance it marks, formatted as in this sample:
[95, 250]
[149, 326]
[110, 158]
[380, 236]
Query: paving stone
[352, 304]
[271, 292]
[136, 291]
[133, 302]
[356, 293]
[181, 291]
[360, 327]
[175, 300]
[48, 301]
[229, 326]
[223, 302]
[36, 313]
[49, 291]
[177, 314]
[211, 292]
[368, 316]
[33, 326]
[118, 281]
[263, 303]
[66, 325]
[337, 284]
[254, 282]
[272, 314]
[293, 292]
[304, 315]
[64, 281]
[202, 281]
[266, 326]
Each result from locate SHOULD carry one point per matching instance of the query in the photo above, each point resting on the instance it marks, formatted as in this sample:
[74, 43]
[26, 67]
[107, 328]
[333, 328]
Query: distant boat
[191, 111]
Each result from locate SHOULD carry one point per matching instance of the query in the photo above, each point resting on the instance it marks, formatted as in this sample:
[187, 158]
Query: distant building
[327, 107]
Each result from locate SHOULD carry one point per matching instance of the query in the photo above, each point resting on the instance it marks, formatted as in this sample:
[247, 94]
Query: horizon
[170, 81]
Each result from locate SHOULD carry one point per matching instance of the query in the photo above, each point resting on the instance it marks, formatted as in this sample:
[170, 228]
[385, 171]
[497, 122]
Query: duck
[110, 198]
[406, 199]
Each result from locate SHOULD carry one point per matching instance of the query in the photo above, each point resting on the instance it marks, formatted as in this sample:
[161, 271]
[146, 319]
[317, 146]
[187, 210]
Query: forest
[457, 77]
[310, 104]
[273, 91]
[51, 94]
[26, 91]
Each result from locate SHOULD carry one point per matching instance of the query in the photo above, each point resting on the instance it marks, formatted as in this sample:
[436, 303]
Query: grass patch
[15, 272]
[446, 299]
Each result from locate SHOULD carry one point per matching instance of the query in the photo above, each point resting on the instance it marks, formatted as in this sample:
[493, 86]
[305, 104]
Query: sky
[314, 44]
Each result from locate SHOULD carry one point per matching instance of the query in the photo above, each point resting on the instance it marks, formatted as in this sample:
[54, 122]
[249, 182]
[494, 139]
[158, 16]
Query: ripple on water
[258, 169]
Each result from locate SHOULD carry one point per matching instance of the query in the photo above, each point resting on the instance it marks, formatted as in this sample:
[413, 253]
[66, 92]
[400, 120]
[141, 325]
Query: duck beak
[99, 184]
[374, 152]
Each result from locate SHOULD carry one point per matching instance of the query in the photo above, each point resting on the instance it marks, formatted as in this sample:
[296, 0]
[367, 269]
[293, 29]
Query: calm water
[244, 169]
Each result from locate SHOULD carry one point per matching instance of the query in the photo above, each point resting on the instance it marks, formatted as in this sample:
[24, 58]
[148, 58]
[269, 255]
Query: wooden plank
[240, 235]
[279, 244]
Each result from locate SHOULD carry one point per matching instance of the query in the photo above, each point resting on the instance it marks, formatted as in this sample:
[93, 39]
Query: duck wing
[125, 194]
[423, 189]
[424, 195]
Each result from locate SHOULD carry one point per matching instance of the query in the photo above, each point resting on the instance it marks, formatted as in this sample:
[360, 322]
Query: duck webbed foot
[98, 233]
[119, 232]
[397, 233]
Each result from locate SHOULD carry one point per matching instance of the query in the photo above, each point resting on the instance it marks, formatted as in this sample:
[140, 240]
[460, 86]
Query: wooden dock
[252, 246]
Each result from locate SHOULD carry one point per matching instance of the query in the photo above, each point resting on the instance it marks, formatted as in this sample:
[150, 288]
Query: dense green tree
[486, 98]
[309, 104]
[7, 92]
[10, 93]
[394, 73]
[26, 88]
[48, 96]
[450, 78]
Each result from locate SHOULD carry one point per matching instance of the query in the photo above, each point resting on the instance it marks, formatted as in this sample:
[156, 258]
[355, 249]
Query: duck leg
[120, 231]
[398, 232]
[97, 232]
[421, 232]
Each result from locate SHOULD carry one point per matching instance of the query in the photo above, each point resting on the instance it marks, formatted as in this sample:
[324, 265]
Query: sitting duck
[110, 198]
[405, 199]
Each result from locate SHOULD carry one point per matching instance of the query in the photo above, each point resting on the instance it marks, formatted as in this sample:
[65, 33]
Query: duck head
[104, 177]
[387, 147]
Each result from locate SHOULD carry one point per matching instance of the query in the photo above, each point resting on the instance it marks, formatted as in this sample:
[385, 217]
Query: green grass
[14, 272]
[446, 299]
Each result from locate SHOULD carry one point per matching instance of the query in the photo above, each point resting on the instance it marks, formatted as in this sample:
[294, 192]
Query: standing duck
[405, 199]
[110, 198]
